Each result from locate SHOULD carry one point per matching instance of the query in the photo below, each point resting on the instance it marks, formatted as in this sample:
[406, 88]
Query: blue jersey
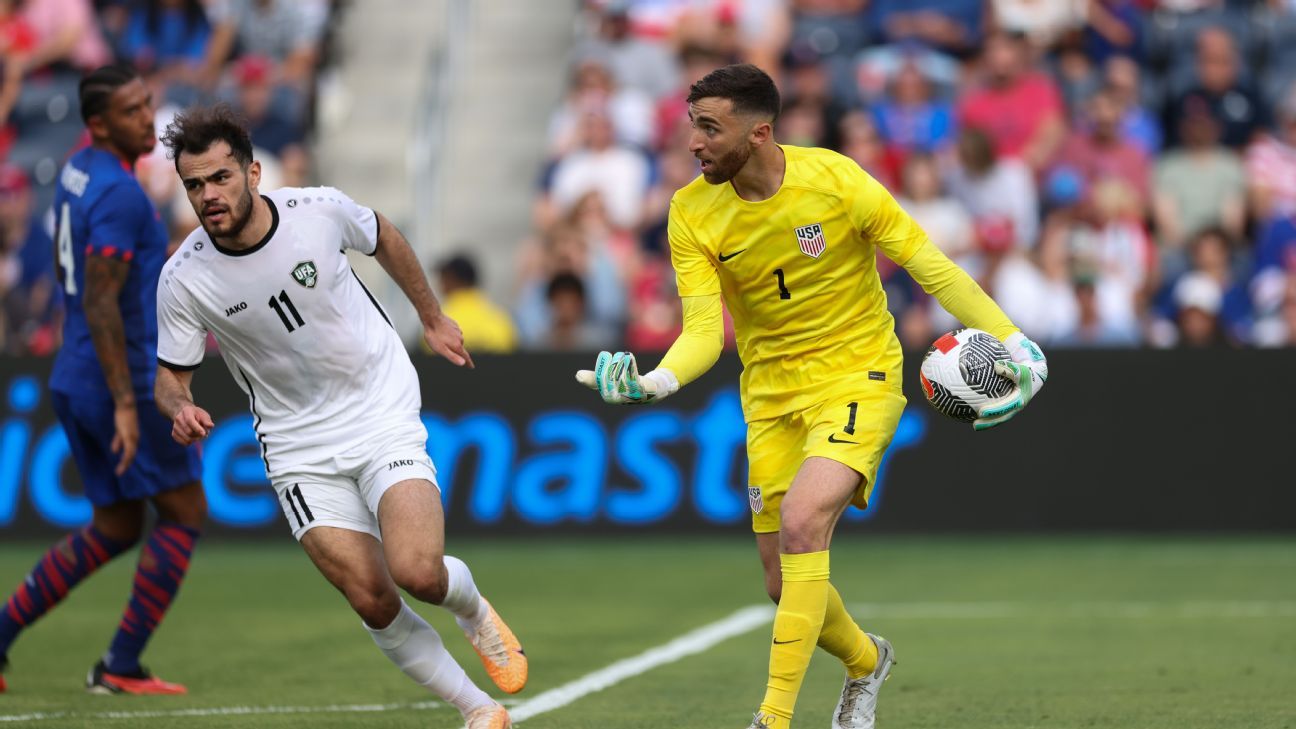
[101, 210]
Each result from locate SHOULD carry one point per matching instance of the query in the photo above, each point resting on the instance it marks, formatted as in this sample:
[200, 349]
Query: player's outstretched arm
[616, 375]
[397, 258]
[189, 423]
[104, 279]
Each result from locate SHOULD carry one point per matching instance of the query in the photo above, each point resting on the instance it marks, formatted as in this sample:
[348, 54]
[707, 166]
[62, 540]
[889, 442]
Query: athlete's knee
[802, 531]
[187, 506]
[425, 579]
[376, 605]
[122, 522]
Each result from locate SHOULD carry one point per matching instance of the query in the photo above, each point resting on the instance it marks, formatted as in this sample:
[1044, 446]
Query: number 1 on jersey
[783, 289]
[283, 296]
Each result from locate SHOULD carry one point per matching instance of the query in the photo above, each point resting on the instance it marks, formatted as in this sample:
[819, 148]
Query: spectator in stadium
[1114, 29]
[801, 123]
[618, 172]
[1271, 165]
[1123, 81]
[828, 34]
[1278, 329]
[570, 327]
[1113, 244]
[279, 30]
[1098, 151]
[999, 193]
[168, 40]
[909, 117]
[1198, 299]
[17, 40]
[944, 219]
[593, 85]
[1218, 85]
[1200, 185]
[273, 129]
[859, 140]
[1091, 328]
[27, 277]
[486, 327]
[1042, 23]
[637, 63]
[563, 250]
[952, 26]
[67, 35]
[1018, 107]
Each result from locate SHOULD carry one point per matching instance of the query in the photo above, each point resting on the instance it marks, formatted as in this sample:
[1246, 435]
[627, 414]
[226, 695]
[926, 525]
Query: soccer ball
[958, 374]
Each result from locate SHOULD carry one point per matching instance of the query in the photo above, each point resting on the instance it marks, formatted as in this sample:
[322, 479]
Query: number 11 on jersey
[287, 303]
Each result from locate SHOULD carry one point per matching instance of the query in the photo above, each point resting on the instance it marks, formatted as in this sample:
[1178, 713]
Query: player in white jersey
[334, 396]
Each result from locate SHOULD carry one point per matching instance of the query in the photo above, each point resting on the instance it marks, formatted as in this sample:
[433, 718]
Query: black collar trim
[274, 226]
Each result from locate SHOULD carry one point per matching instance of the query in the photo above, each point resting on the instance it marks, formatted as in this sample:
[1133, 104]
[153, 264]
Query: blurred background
[1119, 174]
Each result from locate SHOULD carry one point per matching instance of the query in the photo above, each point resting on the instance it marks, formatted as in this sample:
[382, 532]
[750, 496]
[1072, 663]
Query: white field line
[689, 644]
[744, 621]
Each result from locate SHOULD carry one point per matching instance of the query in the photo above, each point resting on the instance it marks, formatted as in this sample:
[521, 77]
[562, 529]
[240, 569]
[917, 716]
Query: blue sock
[162, 566]
[71, 560]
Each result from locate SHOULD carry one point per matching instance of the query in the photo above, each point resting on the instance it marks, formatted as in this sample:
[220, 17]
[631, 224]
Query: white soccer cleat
[857, 708]
[488, 717]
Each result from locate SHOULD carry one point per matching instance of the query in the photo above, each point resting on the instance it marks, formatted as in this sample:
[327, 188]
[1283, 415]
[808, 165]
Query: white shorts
[345, 491]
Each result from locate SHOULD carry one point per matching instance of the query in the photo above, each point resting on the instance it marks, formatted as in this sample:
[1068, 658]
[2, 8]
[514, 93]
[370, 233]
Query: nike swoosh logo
[724, 258]
[785, 642]
[834, 439]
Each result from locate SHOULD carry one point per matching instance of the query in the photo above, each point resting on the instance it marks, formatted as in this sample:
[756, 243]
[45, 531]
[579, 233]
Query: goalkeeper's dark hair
[97, 88]
[197, 128]
[751, 90]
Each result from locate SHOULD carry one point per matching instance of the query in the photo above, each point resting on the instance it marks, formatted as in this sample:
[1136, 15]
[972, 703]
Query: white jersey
[317, 356]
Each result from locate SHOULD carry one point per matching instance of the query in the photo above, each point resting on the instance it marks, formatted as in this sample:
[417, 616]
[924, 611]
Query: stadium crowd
[262, 56]
[1115, 173]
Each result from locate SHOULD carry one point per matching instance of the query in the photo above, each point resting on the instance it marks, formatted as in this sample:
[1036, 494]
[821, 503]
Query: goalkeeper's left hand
[617, 379]
[1027, 370]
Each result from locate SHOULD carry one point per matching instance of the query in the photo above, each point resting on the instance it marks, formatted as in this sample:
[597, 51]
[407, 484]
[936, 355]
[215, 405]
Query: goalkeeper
[786, 236]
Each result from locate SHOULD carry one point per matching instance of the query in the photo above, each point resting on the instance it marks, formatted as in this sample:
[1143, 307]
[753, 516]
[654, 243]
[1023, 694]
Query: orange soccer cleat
[140, 683]
[500, 652]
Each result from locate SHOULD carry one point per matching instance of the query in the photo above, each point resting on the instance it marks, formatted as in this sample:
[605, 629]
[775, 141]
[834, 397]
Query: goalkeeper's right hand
[617, 379]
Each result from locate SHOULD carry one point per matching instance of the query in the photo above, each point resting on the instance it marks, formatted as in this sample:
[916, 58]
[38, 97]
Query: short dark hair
[98, 86]
[750, 89]
[460, 267]
[565, 282]
[197, 128]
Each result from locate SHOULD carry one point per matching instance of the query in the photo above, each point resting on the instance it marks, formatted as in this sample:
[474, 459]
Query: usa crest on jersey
[811, 240]
[754, 499]
[305, 274]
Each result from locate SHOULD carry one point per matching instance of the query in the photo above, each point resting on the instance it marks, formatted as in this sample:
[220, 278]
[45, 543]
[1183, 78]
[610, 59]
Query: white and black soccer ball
[958, 374]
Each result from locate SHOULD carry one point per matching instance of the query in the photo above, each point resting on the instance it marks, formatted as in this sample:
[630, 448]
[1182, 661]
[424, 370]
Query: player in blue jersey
[111, 245]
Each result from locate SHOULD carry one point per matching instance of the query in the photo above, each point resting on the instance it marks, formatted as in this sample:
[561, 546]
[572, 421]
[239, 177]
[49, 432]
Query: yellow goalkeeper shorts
[853, 429]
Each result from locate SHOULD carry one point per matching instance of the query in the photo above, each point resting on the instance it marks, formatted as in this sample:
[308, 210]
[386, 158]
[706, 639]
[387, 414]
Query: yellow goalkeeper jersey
[798, 274]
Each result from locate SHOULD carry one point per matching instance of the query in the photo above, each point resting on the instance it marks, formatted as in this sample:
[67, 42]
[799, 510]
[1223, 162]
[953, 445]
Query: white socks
[462, 598]
[416, 648]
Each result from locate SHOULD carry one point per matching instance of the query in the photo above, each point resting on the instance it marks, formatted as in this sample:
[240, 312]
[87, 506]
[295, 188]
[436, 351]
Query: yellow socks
[842, 638]
[797, 625]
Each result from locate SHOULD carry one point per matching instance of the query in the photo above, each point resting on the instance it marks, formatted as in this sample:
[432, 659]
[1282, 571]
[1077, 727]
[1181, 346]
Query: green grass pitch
[991, 633]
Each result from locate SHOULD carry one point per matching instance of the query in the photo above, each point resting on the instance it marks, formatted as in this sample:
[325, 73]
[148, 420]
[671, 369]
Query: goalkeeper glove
[1027, 370]
[617, 379]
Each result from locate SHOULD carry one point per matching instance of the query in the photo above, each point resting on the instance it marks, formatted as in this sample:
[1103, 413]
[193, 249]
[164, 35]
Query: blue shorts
[160, 463]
